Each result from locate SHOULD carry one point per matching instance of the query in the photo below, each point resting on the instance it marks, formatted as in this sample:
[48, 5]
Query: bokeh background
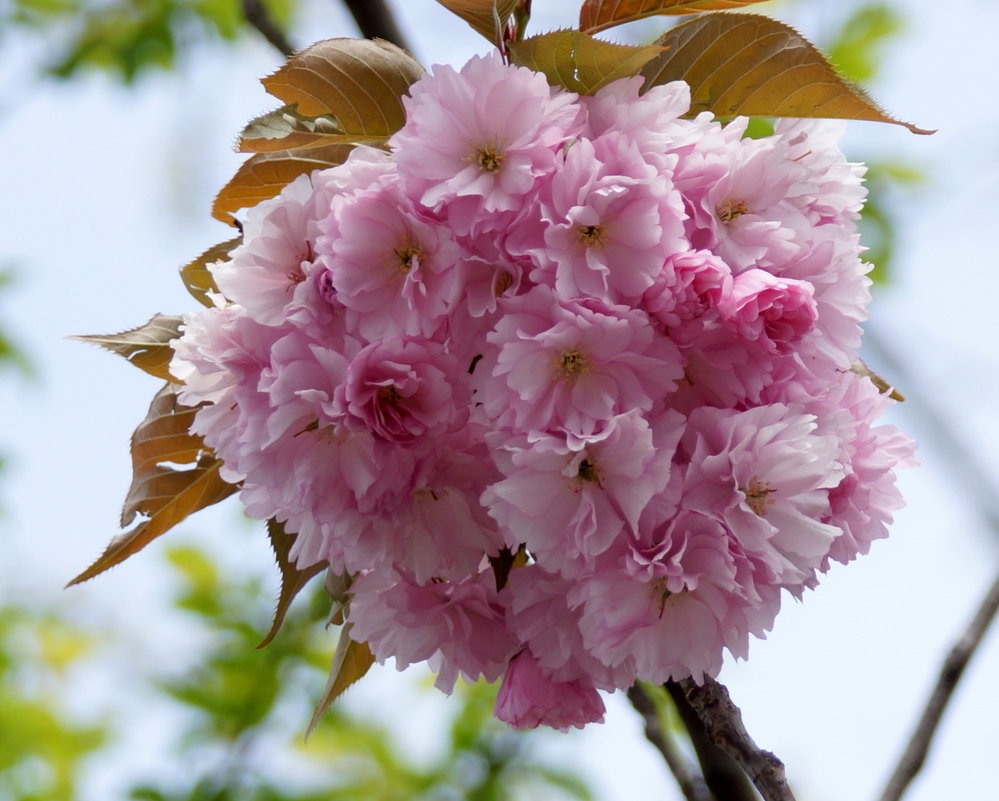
[144, 682]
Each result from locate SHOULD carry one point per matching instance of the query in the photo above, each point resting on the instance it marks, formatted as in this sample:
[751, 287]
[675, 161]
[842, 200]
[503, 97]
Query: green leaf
[351, 662]
[856, 50]
[579, 62]
[293, 578]
[746, 64]
[360, 82]
[147, 347]
[264, 175]
[487, 17]
[597, 15]
[173, 476]
[197, 279]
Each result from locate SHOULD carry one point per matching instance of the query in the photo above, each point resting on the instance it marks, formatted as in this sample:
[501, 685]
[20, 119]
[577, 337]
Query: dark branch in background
[722, 774]
[259, 17]
[375, 21]
[972, 477]
[950, 673]
[723, 723]
[691, 784]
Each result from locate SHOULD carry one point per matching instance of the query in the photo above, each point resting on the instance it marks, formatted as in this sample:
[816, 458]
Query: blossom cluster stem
[723, 724]
[691, 784]
[723, 776]
[950, 674]
[259, 17]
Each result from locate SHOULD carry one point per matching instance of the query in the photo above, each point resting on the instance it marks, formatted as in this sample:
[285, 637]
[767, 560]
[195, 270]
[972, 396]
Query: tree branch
[375, 21]
[259, 17]
[723, 723]
[722, 774]
[950, 673]
[691, 785]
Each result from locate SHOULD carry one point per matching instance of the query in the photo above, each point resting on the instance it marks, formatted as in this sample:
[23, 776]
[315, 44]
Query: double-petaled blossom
[559, 386]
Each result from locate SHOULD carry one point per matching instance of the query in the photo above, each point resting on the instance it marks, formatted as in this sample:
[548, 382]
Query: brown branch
[950, 673]
[375, 21]
[691, 784]
[259, 17]
[722, 774]
[723, 724]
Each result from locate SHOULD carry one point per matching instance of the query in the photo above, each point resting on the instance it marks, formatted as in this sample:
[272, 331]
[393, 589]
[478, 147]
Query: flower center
[409, 256]
[588, 472]
[592, 236]
[389, 395]
[758, 496]
[489, 158]
[658, 586]
[731, 209]
[503, 282]
[571, 363]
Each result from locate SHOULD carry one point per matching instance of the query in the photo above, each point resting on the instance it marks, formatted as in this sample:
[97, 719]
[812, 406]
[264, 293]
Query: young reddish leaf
[579, 62]
[487, 17]
[264, 175]
[195, 275]
[861, 369]
[286, 129]
[351, 662]
[747, 64]
[293, 579]
[597, 15]
[360, 82]
[147, 347]
[160, 490]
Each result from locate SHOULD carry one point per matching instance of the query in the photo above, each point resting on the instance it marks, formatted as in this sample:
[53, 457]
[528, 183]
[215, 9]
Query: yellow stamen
[731, 209]
[592, 236]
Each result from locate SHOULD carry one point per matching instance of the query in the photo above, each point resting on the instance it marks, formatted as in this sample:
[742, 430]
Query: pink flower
[670, 609]
[766, 474]
[573, 365]
[688, 292]
[775, 312]
[651, 118]
[389, 264]
[457, 626]
[613, 219]
[405, 390]
[569, 498]
[528, 698]
[484, 135]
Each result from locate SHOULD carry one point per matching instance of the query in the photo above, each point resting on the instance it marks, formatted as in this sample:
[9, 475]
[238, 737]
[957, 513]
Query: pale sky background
[106, 192]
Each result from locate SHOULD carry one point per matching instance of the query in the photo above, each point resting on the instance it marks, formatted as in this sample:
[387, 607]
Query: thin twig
[723, 776]
[375, 21]
[691, 784]
[723, 723]
[259, 17]
[950, 673]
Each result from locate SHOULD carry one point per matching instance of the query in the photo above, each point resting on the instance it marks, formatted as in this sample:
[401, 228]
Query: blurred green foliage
[244, 712]
[128, 38]
[11, 355]
[41, 746]
[857, 51]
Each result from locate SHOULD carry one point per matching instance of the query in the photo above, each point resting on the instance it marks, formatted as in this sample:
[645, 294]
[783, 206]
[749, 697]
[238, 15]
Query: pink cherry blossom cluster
[559, 386]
